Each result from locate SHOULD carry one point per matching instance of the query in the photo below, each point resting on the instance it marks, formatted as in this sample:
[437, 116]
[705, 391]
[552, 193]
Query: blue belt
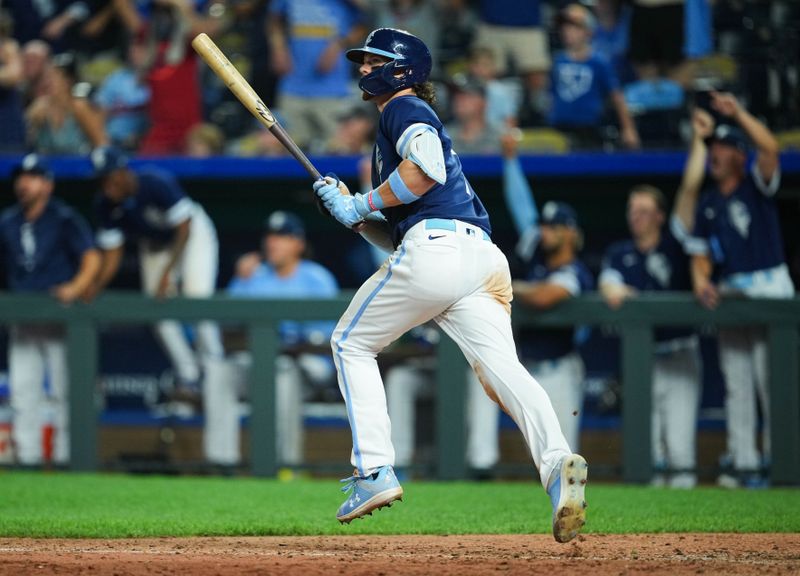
[450, 225]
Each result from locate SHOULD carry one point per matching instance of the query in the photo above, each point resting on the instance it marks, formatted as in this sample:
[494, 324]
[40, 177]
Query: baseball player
[284, 273]
[738, 249]
[177, 254]
[48, 246]
[654, 259]
[548, 245]
[444, 267]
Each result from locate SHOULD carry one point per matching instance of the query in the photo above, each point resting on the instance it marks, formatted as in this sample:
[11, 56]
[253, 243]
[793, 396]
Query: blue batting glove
[348, 210]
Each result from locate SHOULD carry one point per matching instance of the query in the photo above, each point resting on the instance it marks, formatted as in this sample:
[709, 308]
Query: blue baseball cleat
[566, 491]
[368, 493]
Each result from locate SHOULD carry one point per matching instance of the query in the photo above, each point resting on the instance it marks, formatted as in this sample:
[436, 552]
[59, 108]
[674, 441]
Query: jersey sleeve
[611, 269]
[168, 195]
[405, 121]
[766, 188]
[110, 234]
[567, 278]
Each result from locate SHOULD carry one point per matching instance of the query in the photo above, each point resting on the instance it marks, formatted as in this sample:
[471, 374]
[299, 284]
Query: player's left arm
[559, 286]
[540, 295]
[176, 250]
[768, 149]
[79, 284]
[420, 170]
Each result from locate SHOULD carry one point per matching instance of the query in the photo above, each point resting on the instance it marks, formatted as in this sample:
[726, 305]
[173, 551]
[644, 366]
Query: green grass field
[116, 506]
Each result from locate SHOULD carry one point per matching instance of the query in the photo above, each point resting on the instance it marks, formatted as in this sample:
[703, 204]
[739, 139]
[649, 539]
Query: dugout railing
[634, 322]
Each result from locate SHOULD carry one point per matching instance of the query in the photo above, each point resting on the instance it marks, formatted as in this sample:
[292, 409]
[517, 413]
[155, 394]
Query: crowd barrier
[634, 321]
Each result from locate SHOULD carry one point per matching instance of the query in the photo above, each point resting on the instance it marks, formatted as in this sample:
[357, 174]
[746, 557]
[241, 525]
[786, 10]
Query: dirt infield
[594, 555]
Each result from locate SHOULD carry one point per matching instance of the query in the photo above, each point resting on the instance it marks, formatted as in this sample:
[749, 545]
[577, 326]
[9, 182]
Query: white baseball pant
[195, 277]
[675, 404]
[743, 360]
[33, 352]
[562, 379]
[407, 382]
[462, 281]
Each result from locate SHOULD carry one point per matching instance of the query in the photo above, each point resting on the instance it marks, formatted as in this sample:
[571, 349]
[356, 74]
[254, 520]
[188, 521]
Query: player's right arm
[694, 170]
[611, 284]
[704, 289]
[110, 260]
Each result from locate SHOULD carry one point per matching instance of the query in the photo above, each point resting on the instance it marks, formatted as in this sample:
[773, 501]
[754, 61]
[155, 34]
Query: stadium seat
[544, 140]
[789, 139]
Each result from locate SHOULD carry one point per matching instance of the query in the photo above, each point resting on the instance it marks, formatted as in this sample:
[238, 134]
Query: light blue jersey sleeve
[522, 206]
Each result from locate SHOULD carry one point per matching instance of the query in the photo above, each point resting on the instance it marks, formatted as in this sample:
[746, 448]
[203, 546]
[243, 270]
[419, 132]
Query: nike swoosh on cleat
[432, 237]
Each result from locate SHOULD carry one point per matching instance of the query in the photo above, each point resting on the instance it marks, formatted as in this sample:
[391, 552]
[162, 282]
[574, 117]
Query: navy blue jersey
[537, 344]
[740, 232]
[46, 252]
[153, 212]
[401, 119]
[664, 268]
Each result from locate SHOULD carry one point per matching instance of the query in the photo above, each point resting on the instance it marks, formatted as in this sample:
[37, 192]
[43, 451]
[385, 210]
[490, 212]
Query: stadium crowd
[117, 78]
[76, 74]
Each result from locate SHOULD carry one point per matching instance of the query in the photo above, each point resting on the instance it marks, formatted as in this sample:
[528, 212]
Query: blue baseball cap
[559, 214]
[32, 164]
[730, 136]
[285, 223]
[106, 159]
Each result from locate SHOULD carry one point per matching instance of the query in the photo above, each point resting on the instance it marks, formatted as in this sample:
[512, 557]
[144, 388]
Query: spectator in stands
[655, 259]
[280, 270]
[469, 130]
[657, 38]
[205, 140]
[513, 30]
[35, 63]
[420, 17]
[739, 251]
[123, 98]
[548, 246]
[172, 72]
[354, 132]
[53, 21]
[12, 135]
[457, 24]
[582, 82]
[48, 248]
[64, 120]
[307, 39]
[502, 98]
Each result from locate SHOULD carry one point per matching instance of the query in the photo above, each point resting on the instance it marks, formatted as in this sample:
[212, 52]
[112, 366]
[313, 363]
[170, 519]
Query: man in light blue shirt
[281, 271]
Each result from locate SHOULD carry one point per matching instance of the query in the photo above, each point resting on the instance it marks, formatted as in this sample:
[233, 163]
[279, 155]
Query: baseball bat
[241, 88]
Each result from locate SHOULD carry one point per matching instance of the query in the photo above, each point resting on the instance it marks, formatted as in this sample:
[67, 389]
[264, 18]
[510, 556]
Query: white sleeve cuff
[695, 246]
[679, 230]
[567, 280]
[180, 211]
[611, 276]
[774, 183]
[109, 239]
